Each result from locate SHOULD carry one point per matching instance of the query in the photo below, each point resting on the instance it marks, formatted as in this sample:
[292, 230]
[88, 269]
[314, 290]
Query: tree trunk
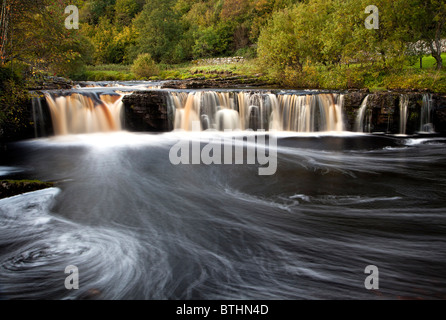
[436, 52]
[4, 24]
[439, 62]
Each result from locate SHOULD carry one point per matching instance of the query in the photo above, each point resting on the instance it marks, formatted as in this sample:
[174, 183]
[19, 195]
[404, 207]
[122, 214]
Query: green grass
[107, 76]
[111, 67]
[191, 71]
[107, 72]
[185, 71]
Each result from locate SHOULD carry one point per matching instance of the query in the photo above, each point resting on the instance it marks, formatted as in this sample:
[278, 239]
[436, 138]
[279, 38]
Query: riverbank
[226, 73]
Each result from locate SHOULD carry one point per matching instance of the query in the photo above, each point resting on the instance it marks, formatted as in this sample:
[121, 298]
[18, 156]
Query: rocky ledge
[50, 83]
[149, 110]
[383, 109]
[218, 83]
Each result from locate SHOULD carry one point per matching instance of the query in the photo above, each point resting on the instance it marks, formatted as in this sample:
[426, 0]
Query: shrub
[144, 66]
[14, 111]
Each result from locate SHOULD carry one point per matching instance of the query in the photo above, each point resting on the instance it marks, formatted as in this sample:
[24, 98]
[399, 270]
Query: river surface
[138, 227]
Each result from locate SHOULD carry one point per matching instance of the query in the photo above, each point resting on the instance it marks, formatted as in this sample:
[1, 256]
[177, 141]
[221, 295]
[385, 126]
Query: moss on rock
[10, 188]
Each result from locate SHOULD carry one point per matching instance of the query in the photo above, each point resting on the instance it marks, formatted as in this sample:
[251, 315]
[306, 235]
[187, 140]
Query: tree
[295, 36]
[212, 41]
[159, 30]
[278, 46]
[126, 10]
[13, 14]
[93, 10]
[430, 25]
[36, 35]
[144, 66]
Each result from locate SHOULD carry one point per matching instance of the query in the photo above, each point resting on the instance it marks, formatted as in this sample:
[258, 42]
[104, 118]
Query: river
[139, 227]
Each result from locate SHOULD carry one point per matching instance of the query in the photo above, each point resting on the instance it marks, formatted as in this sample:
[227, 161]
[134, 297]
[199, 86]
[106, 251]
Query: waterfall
[359, 124]
[258, 111]
[94, 111]
[298, 113]
[426, 114]
[38, 118]
[331, 112]
[404, 105]
[85, 113]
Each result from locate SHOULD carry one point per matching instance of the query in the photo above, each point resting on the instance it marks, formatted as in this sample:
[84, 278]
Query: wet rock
[147, 111]
[354, 99]
[439, 113]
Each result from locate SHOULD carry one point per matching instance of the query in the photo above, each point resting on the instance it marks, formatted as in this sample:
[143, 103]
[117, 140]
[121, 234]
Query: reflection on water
[138, 227]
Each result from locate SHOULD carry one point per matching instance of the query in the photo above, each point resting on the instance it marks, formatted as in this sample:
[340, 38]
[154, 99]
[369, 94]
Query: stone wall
[219, 61]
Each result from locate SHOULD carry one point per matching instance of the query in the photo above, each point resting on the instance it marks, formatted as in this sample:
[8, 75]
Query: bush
[434, 81]
[212, 42]
[14, 100]
[247, 52]
[144, 66]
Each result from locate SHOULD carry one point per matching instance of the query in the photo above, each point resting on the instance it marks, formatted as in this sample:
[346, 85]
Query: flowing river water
[139, 227]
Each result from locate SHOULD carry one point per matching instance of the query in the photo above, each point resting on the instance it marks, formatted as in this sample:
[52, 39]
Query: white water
[426, 115]
[85, 113]
[258, 111]
[404, 105]
[139, 228]
[38, 118]
[90, 110]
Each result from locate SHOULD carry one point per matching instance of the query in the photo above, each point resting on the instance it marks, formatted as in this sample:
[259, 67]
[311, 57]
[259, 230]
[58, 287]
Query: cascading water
[426, 115]
[404, 105]
[359, 124]
[38, 118]
[85, 113]
[258, 111]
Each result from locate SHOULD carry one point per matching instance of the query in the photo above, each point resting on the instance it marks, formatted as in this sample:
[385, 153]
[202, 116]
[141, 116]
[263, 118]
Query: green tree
[159, 31]
[429, 25]
[296, 36]
[212, 41]
[278, 46]
[111, 44]
[37, 35]
[93, 10]
[13, 16]
[144, 66]
[126, 10]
